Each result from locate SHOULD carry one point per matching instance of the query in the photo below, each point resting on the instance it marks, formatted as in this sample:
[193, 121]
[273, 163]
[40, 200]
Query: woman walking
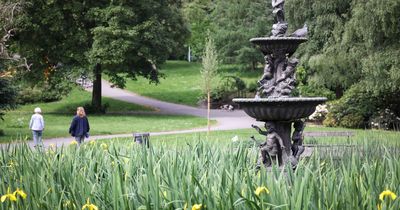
[80, 126]
[37, 125]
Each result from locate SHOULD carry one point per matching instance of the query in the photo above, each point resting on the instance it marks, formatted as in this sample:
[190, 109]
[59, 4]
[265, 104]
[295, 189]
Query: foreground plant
[10, 196]
[89, 206]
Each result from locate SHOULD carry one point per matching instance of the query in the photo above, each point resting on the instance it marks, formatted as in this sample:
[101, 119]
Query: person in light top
[37, 126]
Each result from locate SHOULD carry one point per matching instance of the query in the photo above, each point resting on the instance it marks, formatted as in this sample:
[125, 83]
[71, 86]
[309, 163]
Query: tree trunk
[338, 92]
[96, 94]
[253, 65]
[208, 112]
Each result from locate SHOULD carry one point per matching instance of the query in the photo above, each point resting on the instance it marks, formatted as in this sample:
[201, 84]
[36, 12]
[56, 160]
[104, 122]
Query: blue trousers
[37, 138]
[80, 139]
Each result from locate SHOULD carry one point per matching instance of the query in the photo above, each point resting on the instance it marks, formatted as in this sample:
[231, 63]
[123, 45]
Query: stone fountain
[273, 103]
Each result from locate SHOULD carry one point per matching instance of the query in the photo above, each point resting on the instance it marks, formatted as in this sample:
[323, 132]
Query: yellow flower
[9, 195]
[92, 142]
[20, 193]
[104, 146]
[379, 206]
[387, 193]
[89, 206]
[259, 190]
[73, 142]
[196, 206]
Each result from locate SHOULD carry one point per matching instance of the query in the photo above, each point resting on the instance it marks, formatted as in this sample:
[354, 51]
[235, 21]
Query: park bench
[313, 134]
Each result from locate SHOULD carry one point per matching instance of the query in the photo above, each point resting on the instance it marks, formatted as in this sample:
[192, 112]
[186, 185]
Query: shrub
[29, 95]
[89, 109]
[385, 119]
[354, 120]
[354, 109]
[314, 91]
[320, 113]
[330, 121]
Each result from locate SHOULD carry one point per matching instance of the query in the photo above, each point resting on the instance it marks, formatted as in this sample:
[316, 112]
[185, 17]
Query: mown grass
[129, 176]
[79, 97]
[58, 116]
[220, 138]
[182, 82]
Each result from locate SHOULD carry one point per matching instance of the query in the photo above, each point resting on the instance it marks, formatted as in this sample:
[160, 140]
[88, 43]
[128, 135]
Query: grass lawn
[221, 138]
[79, 97]
[58, 116]
[182, 82]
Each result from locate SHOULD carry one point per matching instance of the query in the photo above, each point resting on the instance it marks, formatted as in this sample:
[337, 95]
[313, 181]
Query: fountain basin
[279, 109]
[278, 45]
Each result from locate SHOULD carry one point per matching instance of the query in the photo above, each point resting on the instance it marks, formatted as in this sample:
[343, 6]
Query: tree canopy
[117, 37]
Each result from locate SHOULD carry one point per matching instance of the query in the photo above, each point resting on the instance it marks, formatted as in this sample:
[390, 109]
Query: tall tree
[236, 22]
[198, 15]
[9, 61]
[208, 73]
[115, 38]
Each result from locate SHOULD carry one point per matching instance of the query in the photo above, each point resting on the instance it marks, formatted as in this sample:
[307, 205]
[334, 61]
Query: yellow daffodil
[260, 190]
[10, 196]
[20, 193]
[92, 142]
[73, 142]
[89, 206]
[104, 146]
[196, 206]
[387, 193]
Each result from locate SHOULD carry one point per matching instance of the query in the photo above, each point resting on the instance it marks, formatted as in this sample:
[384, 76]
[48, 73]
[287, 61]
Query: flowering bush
[320, 113]
[386, 120]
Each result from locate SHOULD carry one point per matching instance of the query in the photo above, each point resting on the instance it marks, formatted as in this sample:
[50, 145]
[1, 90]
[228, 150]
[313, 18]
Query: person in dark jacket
[80, 126]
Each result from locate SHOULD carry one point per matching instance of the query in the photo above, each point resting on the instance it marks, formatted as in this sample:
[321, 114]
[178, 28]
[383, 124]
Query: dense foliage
[130, 37]
[351, 43]
[353, 49]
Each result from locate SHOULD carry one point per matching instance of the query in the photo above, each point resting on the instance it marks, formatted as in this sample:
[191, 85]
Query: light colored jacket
[36, 123]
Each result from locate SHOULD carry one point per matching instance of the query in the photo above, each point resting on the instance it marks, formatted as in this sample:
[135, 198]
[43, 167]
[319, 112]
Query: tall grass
[130, 176]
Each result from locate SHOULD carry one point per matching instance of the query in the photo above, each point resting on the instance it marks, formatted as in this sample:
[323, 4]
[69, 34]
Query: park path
[226, 120]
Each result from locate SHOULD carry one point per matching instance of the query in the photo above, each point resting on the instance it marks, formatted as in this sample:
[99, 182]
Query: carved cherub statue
[297, 138]
[270, 148]
[266, 81]
[286, 81]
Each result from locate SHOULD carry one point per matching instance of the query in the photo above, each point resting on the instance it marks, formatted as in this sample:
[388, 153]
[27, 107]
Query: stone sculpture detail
[273, 145]
[278, 79]
[273, 102]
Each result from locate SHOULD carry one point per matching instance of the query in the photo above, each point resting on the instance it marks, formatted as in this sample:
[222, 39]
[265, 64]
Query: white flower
[235, 139]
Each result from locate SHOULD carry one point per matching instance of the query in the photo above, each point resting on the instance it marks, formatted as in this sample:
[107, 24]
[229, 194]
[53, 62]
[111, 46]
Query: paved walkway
[226, 120]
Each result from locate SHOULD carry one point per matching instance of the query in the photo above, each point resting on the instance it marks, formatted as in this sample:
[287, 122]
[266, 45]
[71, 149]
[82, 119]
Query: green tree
[208, 73]
[353, 49]
[235, 23]
[198, 15]
[9, 61]
[115, 38]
